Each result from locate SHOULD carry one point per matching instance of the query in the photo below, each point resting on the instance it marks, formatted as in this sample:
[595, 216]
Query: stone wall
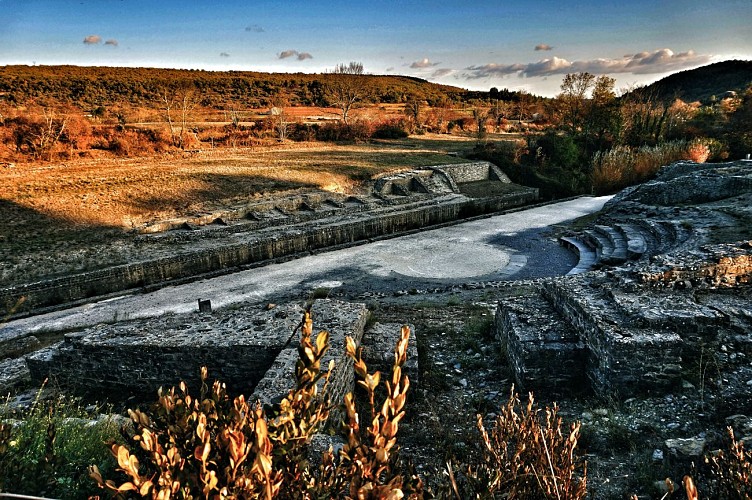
[545, 353]
[238, 346]
[473, 172]
[439, 179]
[349, 321]
[259, 246]
[628, 337]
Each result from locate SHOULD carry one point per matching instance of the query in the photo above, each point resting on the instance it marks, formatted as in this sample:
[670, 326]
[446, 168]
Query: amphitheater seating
[615, 242]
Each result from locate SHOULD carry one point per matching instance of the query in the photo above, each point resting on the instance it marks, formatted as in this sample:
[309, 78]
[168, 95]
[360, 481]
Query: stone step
[636, 244]
[585, 253]
[378, 351]
[13, 373]
[618, 242]
[661, 237]
[543, 349]
[621, 359]
[603, 246]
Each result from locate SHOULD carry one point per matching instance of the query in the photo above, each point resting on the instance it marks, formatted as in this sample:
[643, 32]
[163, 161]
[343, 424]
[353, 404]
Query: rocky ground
[630, 446]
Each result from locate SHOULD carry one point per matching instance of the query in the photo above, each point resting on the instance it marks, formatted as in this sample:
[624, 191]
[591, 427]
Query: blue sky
[515, 44]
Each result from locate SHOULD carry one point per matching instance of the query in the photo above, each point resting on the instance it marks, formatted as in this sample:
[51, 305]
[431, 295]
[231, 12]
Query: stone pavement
[491, 248]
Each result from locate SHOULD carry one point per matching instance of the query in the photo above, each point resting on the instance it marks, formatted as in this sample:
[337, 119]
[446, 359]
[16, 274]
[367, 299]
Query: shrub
[130, 142]
[359, 130]
[526, 455]
[47, 449]
[623, 166]
[463, 123]
[392, 129]
[698, 152]
[303, 132]
[557, 150]
[731, 471]
[215, 446]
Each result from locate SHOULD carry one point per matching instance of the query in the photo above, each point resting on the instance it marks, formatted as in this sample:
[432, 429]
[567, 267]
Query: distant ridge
[92, 86]
[701, 84]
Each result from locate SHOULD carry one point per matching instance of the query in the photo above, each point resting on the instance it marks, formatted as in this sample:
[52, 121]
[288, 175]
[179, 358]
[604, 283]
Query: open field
[73, 216]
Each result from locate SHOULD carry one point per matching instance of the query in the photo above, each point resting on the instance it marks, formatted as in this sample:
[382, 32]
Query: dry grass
[58, 212]
[119, 193]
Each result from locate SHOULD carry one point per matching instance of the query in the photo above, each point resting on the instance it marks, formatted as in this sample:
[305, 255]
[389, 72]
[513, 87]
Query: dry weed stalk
[525, 455]
[732, 470]
[215, 447]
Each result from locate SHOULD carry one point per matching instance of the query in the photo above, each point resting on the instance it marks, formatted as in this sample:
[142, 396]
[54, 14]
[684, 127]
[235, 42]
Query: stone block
[378, 351]
[238, 347]
[545, 352]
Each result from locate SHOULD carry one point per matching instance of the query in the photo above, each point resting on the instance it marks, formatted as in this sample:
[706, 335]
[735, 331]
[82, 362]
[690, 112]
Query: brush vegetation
[215, 446]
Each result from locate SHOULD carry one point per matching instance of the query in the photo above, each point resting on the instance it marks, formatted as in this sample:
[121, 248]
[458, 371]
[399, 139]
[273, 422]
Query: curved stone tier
[671, 291]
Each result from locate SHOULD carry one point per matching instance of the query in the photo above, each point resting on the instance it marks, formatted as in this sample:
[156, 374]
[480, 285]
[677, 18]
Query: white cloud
[423, 63]
[543, 46]
[93, 40]
[643, 63]
[442, 72]
[287, 53]
[300, 56]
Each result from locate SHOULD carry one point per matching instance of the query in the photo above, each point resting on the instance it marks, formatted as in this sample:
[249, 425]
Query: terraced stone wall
[473, 172]
[259, 247]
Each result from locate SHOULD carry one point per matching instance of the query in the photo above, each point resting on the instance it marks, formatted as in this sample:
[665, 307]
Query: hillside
[701, 84]
[91, 87]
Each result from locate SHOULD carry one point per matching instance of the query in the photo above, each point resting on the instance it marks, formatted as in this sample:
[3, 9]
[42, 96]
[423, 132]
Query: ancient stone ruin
[252, 351]
[662, 290]
[224, 241]
[661, 297]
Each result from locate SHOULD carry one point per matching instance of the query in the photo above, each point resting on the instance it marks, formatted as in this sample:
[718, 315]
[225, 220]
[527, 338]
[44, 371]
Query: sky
[520, 45]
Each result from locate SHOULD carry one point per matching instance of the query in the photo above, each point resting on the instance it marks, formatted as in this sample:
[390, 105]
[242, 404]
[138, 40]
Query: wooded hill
[92, 87]
[704, 83]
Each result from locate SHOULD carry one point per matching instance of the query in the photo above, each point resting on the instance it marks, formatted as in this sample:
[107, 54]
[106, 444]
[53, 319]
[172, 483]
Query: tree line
[90, 87]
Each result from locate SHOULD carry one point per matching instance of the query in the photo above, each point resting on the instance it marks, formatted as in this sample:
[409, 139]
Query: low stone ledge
[15, 347]
[238, 346]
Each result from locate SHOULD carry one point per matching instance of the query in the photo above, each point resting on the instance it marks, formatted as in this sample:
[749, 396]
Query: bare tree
[180, 100]
[278, 116]
[39, 137]
[574, 92]
[346, 86]
[481, 115]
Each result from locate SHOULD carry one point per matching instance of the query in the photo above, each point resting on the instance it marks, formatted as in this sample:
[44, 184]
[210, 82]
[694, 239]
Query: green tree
[573, 98]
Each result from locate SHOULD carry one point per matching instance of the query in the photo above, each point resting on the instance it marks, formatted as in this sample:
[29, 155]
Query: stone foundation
[245, 349]
[665, 304]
